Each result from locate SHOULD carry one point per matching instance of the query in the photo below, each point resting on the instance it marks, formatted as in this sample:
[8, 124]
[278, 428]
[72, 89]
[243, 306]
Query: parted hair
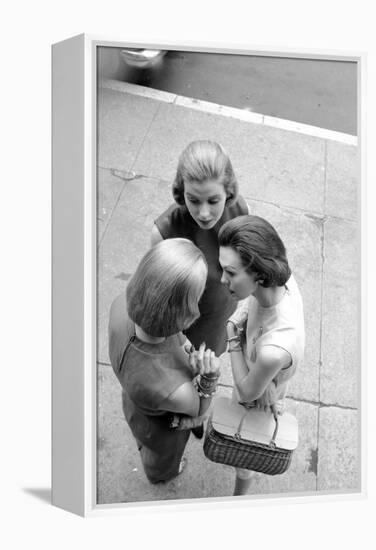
[204, 160]
[164, 291]
[260, 248]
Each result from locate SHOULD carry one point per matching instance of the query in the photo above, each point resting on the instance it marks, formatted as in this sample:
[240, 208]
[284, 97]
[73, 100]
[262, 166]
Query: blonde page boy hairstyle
[201, 161]
[163, 293]
[260, 248]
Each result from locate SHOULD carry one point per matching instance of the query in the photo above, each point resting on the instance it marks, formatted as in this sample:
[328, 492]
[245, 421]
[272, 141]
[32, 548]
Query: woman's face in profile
[205, 201]
[239, 282]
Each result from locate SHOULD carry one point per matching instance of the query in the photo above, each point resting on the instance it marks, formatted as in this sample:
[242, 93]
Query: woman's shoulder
[238, 208]
[158, 371]
[292, 285]
[294, 308]
[118, 318]
[171, 221]
[167, 356]
[120, 330]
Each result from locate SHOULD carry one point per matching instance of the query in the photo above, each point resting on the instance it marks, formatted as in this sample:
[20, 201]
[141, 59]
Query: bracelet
[233, 339]
[239, 328]
[234, 349]
[205, 395]
[207, 384]
[232, 322]
[208, 381]
[210, 377]
[207, 391]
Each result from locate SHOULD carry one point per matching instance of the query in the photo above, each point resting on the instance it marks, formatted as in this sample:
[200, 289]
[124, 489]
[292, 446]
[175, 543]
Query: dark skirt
[161, 448]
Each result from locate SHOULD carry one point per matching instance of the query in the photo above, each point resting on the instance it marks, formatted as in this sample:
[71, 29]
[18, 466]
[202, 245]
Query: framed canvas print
[193, 184]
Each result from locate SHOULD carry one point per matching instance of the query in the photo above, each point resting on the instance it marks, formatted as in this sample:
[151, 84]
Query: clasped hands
[203, 361]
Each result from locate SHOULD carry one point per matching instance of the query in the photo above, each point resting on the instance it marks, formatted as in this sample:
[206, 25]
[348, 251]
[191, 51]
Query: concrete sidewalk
[307, 187]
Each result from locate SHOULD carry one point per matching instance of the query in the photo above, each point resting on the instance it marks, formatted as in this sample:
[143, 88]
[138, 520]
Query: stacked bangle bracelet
[206, 386]
[237, 341]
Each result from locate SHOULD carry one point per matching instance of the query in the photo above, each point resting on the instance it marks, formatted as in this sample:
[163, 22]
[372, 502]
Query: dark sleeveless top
[216, 304]
[149, 374]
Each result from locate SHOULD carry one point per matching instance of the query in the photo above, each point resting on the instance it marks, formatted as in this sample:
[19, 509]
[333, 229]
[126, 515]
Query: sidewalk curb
[232, 112]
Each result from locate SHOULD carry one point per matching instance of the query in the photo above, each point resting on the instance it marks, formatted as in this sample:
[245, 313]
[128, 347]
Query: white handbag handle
[275, 415]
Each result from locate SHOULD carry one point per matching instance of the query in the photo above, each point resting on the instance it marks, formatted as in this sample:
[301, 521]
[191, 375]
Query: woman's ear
[230, 198]
[259, 279]
[178, 190]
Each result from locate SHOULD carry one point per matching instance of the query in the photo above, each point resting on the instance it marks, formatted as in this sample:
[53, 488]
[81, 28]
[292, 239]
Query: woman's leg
[164, 463]
[243, 481]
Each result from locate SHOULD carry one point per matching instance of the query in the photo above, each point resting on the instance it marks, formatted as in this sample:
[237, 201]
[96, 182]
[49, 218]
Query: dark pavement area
[318, 92]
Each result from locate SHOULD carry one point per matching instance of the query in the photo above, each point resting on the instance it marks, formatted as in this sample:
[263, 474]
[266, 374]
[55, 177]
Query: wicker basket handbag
[250, 438]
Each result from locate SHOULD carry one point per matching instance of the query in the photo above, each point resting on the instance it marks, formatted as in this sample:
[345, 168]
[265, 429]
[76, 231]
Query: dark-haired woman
[165, 391]
[266, 340]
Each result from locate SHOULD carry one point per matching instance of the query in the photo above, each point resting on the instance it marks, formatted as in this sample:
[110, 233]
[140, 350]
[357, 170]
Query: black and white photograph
[188, 266]
[228, 274]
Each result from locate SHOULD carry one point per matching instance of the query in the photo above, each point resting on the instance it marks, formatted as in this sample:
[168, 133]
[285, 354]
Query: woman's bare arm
[251, 384]
[186, 400]
[240, 315]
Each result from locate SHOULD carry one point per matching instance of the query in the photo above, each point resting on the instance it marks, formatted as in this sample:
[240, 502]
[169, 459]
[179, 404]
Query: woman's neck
[270, 296]
[147, 338]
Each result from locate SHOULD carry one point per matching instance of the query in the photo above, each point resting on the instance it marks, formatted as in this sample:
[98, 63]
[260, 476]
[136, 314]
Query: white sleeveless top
[281, 325]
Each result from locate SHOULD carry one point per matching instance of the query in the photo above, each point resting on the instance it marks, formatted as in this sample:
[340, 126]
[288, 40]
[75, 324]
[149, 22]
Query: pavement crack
[126, 175]
[316, 216]
[337, 406]
[145, 135]
[321, 404]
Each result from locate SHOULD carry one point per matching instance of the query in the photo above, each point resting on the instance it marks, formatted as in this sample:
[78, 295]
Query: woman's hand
[235, 323]
[269, 398]
[186, 422]
[208, 363]
[192, 358]
[235, 336]
[203, 361]
[231, 329]
[235, 328]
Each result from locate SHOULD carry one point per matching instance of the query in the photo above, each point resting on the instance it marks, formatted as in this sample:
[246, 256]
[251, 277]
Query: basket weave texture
[242, 453]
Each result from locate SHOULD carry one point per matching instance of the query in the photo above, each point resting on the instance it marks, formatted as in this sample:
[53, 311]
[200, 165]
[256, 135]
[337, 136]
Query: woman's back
[148, 373]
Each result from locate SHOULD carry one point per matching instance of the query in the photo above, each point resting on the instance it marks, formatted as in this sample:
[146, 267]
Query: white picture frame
[74, 211]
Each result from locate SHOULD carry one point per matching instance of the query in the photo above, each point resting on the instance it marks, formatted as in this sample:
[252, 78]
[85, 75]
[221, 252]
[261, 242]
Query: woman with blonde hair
[165, 389]
[206, 195]
[266, 338]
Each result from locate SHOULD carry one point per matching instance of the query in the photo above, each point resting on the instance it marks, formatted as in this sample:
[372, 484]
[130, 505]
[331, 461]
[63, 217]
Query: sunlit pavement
[306, 186]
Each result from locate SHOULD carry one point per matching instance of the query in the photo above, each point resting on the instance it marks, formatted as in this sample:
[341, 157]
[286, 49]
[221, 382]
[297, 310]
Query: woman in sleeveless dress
[266, 338]
[165, 390]
[206, 195]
